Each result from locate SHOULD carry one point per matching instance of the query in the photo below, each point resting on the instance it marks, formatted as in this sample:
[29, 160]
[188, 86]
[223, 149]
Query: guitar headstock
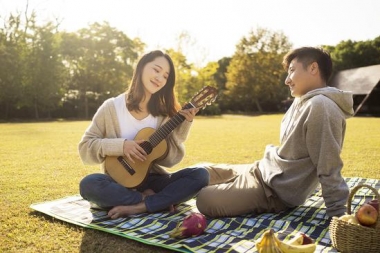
[204, 97]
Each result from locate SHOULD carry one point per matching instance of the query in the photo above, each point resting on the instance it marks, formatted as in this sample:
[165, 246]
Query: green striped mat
[236, 234]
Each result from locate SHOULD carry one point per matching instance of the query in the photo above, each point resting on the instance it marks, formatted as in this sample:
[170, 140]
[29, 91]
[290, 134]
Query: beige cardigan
[102, 138]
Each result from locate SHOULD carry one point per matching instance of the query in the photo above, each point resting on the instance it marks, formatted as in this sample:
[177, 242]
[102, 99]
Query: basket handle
[352, 193]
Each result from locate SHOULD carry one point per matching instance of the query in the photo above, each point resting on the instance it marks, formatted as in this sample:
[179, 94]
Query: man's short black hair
[308, 55]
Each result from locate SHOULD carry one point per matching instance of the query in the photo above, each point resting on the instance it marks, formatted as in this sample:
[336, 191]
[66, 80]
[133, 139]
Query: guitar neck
[163, 131]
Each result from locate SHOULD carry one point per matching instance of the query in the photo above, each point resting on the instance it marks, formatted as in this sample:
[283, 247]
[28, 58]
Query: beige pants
[236, 189]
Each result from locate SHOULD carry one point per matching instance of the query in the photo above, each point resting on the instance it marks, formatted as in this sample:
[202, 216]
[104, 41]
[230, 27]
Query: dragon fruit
[192, 225]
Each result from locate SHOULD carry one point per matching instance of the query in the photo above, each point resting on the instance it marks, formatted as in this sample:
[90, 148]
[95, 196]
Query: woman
[149, 102]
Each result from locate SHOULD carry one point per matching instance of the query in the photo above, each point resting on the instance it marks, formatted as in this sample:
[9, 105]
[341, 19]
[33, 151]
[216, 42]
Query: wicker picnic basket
[347, 237]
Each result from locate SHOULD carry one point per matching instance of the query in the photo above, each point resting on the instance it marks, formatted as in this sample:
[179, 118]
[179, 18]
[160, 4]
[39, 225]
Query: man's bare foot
[123, 211]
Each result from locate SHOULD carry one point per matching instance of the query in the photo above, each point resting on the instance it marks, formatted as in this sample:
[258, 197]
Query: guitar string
[168, 127]
[157, 137]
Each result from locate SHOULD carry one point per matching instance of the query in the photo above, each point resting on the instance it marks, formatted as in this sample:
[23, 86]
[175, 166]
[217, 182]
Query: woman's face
[155, 75]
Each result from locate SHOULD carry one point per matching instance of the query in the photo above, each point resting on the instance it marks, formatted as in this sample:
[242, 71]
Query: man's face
[300, 79]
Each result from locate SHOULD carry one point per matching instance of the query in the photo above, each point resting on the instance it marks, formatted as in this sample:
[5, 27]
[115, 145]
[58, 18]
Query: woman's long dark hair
[163, 102]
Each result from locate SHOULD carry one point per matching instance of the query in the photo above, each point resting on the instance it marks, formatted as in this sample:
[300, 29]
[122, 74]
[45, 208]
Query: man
[311, 140]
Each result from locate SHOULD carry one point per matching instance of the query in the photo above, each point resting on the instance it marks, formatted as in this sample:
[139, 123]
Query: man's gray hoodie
[311, 141]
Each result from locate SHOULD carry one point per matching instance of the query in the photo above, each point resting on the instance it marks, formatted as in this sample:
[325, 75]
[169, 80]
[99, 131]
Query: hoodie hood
[342, 98]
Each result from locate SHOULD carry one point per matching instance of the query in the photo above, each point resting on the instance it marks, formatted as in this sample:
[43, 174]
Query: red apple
[375, 204]
[367, 215]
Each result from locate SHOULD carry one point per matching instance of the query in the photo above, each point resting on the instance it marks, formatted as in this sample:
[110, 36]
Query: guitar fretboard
[163, 131]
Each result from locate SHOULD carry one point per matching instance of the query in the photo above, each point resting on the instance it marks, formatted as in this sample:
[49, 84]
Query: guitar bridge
[125, 165]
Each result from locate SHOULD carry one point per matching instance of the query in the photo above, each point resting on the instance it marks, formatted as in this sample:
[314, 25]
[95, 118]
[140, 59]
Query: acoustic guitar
[131, 175]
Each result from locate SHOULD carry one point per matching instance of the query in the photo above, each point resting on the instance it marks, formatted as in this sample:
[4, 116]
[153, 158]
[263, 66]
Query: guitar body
[129, 174]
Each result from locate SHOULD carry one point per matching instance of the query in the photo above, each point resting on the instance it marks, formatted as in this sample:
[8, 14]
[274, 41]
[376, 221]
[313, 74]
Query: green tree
[44, 71]
[255, 73]
[206, 76]
[221, 81]
[355, 54]
[100, 60]
[12, 45]
[184, 75]
[189, 79]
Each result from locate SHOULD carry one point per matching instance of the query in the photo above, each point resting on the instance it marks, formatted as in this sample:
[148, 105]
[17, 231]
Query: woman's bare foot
[123, 211]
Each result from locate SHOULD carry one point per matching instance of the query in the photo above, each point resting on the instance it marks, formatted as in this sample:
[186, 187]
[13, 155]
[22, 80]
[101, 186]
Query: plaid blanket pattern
[235, 234]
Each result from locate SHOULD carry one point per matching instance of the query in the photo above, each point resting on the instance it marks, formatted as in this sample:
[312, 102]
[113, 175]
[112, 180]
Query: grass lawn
[39, 162]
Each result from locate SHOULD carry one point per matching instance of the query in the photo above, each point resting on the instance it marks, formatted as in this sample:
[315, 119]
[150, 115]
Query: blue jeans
[170, 189]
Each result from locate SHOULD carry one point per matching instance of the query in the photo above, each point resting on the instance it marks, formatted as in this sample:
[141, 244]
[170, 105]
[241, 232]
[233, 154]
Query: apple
[367, 215]
[375, 204]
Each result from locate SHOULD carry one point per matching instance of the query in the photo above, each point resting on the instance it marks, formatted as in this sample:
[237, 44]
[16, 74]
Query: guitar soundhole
[147, 146]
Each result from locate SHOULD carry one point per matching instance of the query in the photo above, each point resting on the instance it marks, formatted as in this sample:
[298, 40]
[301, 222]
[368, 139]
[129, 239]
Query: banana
[267, 243]
[287, 247]
[350, 218]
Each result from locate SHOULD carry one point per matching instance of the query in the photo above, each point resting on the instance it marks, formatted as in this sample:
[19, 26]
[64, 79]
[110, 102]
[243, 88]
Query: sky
[214, 27]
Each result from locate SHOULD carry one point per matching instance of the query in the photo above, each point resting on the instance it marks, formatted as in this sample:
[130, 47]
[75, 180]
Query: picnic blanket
[234, 234]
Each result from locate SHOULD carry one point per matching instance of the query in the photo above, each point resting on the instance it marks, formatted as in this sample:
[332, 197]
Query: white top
[129, 125]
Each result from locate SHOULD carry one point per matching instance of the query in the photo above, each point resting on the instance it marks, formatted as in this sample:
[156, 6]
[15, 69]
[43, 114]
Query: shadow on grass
[96, 241]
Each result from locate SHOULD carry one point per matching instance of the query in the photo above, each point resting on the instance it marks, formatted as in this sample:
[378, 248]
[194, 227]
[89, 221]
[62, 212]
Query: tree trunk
[36, 109]
[258, 106]
[85, 106]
